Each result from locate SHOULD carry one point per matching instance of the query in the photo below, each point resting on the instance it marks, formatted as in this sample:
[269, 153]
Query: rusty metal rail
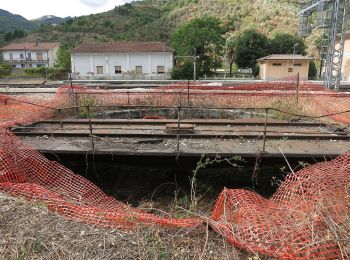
[187, 121]
[204, 129]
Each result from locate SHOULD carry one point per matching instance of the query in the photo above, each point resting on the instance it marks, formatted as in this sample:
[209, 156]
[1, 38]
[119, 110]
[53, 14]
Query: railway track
[195, 129]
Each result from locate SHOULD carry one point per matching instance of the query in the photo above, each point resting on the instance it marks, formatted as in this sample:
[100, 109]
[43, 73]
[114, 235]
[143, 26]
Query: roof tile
[122, 47]
[32, 46]
[285, 57]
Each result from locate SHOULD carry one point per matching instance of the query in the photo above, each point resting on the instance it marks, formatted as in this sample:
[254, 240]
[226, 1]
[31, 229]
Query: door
[39, 56]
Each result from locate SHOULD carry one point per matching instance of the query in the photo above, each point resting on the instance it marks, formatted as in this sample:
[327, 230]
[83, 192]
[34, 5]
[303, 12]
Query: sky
[32, 9]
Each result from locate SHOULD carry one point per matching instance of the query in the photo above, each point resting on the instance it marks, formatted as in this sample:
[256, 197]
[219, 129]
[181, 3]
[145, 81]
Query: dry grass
[29, 231]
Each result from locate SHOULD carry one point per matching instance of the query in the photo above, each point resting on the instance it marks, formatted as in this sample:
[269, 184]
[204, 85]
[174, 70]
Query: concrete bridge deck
[224, 138]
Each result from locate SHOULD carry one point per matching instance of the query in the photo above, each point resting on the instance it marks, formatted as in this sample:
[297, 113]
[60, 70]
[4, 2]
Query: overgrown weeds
[285, 110]
[36, 233]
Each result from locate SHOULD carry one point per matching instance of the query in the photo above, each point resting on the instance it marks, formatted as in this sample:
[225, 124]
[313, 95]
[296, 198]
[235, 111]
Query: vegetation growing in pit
[286, 110]
[87, 107]
[199, 190]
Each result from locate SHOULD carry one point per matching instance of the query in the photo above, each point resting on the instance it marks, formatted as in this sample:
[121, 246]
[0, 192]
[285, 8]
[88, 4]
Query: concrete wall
[52, 55]
[288, 68]
[84, 65]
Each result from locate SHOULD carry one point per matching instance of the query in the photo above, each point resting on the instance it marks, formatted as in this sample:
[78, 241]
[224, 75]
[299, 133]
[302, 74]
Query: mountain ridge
[10, 21]
[155, 20]
[50, 19]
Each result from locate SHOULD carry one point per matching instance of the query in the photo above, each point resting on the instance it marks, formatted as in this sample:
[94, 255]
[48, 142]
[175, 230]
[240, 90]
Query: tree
[312, 70]
[250, 46]
[9, 36]
[283, 43]
[200, 37]
[63, 58]
[18, 34]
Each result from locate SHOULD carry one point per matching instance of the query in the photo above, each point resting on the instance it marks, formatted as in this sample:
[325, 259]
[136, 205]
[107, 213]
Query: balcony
[16, 61]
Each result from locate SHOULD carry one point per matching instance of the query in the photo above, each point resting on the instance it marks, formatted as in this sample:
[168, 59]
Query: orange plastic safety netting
[306, 99]
[304, 219]
[299, 221]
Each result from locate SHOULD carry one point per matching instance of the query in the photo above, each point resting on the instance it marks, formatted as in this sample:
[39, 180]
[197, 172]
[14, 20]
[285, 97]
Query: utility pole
[194, 68]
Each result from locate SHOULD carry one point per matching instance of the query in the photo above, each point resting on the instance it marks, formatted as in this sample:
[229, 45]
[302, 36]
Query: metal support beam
[332, 19]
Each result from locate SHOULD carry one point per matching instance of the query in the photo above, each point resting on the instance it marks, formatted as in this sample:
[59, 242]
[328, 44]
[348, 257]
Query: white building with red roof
[122, 60]
[30, 55]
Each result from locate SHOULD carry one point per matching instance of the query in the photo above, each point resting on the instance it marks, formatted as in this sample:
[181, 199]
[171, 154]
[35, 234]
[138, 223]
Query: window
[11, 56]
[277, 64]
[29, 56]
[138, 69]
[21, 56]
[160, 69]
[118, 69]
[297, 65]
[22, 65]
[290, 69]
[39, 56]
[99, 69]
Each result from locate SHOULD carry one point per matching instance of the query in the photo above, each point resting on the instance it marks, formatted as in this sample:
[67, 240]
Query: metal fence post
[265, 128]
[188, 92]
[60, 117]
[298, 81]
[178, 131]
[77, 104]
[90, 127]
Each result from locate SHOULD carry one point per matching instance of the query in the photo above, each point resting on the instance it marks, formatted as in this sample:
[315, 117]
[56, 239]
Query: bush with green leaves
[183, 70]
[5, 70]
[45, 72]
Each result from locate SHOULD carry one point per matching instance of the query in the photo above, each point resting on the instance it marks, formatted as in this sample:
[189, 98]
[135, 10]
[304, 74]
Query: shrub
[183, 71]
[5, 70]
[52, 73]
[87, 110]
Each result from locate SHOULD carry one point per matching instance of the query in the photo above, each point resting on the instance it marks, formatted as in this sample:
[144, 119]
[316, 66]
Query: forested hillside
[9, 22]
[156, 19]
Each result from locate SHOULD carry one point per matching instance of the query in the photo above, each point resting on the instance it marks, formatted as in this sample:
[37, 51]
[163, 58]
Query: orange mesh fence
[263, 86]
[318, 101]
[297, 222]
[25, 172]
